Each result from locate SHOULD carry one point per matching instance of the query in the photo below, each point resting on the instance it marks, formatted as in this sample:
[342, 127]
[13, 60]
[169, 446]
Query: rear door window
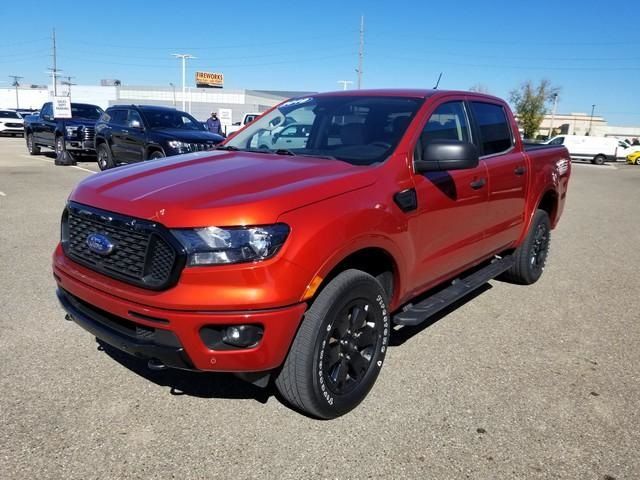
[493, 126]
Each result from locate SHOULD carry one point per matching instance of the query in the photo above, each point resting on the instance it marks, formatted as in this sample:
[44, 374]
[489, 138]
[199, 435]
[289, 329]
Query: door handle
[520, 170]
[124, 131]
[478, 184]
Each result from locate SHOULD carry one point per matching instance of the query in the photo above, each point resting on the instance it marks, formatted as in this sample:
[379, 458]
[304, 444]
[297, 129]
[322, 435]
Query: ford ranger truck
[294, 265]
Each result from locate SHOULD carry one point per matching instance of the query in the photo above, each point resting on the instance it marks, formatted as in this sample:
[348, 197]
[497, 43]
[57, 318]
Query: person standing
[214, 125]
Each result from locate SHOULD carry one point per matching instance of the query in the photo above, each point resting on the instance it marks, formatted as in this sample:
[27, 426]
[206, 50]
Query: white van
[596, 149]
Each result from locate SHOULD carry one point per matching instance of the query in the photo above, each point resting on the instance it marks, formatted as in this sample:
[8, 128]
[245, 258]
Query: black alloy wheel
[350, 344]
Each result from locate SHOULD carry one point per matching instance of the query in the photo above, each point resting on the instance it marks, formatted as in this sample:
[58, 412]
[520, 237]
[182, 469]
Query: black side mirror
[443, 154]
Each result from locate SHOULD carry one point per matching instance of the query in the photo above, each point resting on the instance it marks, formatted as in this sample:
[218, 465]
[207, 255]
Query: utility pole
[16, 84]
[345, 83]
[68, 84]
[54, 71]
[553, 114]
[184, 57]
[593, 107]
[360, 52]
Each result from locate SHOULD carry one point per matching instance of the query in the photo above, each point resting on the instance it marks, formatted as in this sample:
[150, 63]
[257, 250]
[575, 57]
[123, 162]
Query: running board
[459, 288]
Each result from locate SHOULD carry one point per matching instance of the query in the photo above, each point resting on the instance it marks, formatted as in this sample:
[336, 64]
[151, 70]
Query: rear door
[133, 137]
[507, 168]
[451, 220]
[44, 131]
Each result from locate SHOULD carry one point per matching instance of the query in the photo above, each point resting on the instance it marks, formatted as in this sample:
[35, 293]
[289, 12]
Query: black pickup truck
[135, 133]
[72, 136]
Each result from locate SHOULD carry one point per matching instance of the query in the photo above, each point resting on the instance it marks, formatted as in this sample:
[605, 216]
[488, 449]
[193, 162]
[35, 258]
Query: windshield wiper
[229, 148]
[283, 151]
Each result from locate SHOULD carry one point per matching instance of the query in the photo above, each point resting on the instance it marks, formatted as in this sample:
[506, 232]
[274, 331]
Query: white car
[11, 123]
[290, 137]
[247, 118]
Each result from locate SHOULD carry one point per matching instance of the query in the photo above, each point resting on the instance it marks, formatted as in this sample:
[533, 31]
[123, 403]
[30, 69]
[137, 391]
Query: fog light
[242, 335]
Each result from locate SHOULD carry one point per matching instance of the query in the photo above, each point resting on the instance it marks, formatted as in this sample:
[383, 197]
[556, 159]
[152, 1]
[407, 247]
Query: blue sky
[590, 49]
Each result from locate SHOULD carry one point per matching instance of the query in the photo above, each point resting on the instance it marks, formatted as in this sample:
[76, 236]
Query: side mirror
[440, 155]
[135, 124]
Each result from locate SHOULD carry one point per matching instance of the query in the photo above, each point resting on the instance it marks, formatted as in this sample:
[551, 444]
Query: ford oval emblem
[100, 244]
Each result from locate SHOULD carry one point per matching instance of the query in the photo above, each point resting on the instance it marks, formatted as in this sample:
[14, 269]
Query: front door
[450, 221]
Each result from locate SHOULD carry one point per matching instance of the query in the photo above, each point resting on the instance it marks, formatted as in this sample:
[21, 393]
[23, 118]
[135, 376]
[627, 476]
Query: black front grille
[143, 253]
[14, 125]
[88, 134]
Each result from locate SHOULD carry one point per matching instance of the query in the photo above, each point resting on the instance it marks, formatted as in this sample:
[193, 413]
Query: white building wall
[27, 97]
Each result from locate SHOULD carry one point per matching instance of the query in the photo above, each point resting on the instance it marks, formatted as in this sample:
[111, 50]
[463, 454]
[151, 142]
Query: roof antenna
[438, 82]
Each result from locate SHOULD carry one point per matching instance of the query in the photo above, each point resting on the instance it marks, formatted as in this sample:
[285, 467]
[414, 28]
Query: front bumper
[173, 337]
[80, 145]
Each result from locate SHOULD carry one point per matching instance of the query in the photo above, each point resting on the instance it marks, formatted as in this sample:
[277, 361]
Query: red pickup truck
[294, 263]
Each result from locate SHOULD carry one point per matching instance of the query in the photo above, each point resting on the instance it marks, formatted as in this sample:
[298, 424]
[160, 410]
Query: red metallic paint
[333, 209]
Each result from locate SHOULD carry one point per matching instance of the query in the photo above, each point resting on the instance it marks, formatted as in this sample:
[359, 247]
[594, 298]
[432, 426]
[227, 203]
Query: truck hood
[73, 122]
[220, 188]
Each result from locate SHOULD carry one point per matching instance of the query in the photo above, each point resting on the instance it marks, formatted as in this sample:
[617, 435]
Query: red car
[295, 263]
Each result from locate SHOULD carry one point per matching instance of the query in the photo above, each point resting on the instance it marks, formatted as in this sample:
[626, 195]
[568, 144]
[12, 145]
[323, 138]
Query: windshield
[160, 118]
[7, 114]
[356, 129]
[85, 111]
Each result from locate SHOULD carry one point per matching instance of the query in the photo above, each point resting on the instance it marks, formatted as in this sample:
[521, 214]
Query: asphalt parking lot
[519, 382]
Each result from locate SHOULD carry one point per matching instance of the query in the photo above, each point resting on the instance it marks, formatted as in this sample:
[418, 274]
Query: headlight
[178, 144]
[72, 131]
[215, 246]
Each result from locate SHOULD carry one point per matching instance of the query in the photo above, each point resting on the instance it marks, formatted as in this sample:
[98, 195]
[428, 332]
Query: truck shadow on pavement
[226, 385]
[194, 384]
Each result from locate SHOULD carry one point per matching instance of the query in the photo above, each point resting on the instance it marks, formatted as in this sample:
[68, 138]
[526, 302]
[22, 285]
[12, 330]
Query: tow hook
[156, 365]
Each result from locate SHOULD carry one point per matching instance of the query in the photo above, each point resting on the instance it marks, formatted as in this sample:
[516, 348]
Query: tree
[530, 104]
[480, 88]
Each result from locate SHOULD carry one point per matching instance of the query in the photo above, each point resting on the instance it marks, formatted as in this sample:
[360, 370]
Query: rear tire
[599, 159]
[339, 349]
[531, 256]
[105, 159]
[32, 147]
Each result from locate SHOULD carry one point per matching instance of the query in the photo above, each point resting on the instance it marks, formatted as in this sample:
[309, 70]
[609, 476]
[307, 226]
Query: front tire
[31, 146]
[339, 349]
[156, 154]
[531, 256]
[599, 159]
[104, 157]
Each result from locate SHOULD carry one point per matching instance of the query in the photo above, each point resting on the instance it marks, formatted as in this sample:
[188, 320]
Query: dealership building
[200, 102]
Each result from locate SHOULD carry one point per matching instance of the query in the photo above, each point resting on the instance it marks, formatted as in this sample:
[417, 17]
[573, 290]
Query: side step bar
[459, 288]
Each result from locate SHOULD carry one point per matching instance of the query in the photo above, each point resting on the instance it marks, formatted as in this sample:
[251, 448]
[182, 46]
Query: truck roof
[404, 92]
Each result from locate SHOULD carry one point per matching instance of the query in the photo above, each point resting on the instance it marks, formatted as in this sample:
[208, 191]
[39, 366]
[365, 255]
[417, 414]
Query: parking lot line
[2, 194]
[52, 161]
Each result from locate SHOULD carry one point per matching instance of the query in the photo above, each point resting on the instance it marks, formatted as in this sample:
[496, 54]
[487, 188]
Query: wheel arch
[154, 147]
[377, 261]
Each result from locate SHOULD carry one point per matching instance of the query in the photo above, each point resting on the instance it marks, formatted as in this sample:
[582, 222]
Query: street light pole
[174, 93]
[16, 84]
[593, 107]
[553, 114]
[184, 57]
